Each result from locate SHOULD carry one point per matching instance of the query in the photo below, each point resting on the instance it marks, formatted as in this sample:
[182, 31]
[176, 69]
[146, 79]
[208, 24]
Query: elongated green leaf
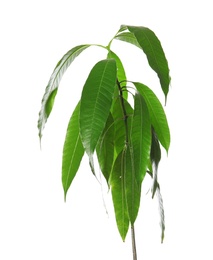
[157, 114]
[140, 136]
[105, 148]
[50, 91]
[119, 196]
[72, 152]
[155, 54]
[96, 101]
[132, 187]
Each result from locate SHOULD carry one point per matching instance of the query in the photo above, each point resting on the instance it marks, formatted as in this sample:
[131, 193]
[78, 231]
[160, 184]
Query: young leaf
[72, 152]
[157, 114]
[118, 195]
[50, 91]
[96, 100]
[140, 136]
[151, 46]
[105, 148]
[132, 187]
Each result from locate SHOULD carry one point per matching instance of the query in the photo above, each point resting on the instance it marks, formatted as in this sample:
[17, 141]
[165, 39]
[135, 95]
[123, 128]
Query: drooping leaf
[140, 136]
[51, 89]
[105, 148]
[132, 187]
[96, 100]
[118, 195]
[73, 151]
[157, 114]
[151, 46]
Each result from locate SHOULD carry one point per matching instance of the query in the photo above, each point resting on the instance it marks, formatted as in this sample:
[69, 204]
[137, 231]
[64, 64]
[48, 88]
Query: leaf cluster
[127, 138]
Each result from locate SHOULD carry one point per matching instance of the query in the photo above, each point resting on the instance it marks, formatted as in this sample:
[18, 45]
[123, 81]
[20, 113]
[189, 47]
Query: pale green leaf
[157, 114]
[72, 152]
[50, 91]
[119, 196]
[96, 101]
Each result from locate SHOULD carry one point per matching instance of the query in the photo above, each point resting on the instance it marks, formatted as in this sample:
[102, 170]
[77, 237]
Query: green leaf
[128, 37]
[50, 102]
[155, 54]
[157, 114]
[119, 196]
[50, 91]
[72, 152]
[132, 187]
[105, 148]
[96, 100]
[140, 136]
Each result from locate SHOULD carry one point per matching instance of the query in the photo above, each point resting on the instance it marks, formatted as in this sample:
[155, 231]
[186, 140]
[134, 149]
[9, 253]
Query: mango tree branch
[125, 117]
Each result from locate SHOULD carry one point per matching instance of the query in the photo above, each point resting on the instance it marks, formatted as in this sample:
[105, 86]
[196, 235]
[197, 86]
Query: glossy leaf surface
[50, 91]
[73, 151]
[157, 114]
[96, 100]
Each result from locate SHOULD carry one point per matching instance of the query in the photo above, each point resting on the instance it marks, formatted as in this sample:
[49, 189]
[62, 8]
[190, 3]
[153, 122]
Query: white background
[35, 223]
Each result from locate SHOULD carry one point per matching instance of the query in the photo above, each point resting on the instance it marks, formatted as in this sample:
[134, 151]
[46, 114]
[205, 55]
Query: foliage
[126, 138]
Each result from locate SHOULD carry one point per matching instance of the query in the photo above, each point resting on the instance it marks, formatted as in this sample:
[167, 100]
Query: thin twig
[133, 243]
